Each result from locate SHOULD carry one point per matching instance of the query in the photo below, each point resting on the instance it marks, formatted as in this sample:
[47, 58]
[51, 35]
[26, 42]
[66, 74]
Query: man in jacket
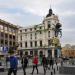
[44, 63]
[13, 65]
[51, 62]
[24, 64]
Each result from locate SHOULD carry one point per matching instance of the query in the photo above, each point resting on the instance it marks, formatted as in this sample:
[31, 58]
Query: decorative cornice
[7, 23]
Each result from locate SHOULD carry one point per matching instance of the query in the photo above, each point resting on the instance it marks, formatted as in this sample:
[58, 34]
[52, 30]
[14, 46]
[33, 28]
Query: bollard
[51, 73]
[54, 70]
[57, 68]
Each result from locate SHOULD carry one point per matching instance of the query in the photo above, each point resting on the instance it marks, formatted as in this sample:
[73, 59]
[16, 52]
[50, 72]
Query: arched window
[49, 24]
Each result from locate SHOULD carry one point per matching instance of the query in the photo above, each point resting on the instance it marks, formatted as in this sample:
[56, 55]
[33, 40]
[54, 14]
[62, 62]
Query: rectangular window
[6, 35]
[40, 27]
[35, 52]
[2, 34]
[10, 30]
[6, 42]
[40, 32]
[31, 44]
[21, 37]
[14, 43]
[20, 31]
[49, 24]
[31, 53]
[49, 42]
[35, 43]
[25, 35]
[25, 30]
[26, 44]
[20, 44]
[1, 27]
[30, 36]
[48, 33]
[35, 35]
[41, 43]
[2, 41]
[10, 43]
[13, 30]
[34, 28]
[14, 37]
[30, 29]
[5, 28]
[10, 36]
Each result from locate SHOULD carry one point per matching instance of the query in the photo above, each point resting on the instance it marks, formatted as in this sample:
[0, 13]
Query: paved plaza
[41, 72]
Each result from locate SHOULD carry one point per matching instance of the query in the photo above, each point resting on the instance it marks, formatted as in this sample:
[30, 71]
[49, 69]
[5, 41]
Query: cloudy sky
[30, 12]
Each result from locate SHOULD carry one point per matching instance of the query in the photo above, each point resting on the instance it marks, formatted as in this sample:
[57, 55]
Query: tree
[11, 51]
[58, 30]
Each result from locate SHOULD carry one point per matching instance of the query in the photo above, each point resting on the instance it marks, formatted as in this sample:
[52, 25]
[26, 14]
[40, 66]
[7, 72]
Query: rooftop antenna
[50, 10]
[50, 3]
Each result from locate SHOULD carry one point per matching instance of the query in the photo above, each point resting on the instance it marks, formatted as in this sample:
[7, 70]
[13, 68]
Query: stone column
[53, 52]
[8, 35]
[4, 36]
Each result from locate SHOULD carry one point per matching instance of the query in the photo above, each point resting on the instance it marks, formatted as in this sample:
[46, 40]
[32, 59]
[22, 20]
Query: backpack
[44, 61]
[25, 61]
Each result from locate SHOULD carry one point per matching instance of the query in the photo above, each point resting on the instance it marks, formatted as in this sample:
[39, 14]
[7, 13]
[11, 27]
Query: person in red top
[35, 64]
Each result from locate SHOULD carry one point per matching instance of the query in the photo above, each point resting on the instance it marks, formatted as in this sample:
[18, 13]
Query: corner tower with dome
[41, 38]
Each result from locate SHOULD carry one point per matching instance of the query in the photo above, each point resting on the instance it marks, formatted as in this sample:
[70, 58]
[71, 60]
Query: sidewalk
[19, 65]
[41, 72]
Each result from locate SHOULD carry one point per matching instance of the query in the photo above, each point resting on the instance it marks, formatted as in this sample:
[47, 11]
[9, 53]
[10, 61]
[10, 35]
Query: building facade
[40, 39]
[68, 51]
[8, 35]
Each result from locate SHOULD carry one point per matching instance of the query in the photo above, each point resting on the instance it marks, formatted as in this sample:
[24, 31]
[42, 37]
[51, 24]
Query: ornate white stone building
[38, 39]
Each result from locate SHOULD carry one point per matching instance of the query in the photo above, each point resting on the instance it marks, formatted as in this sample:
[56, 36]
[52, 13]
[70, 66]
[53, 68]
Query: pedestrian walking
[61, 61]
[40, 58]
[24, 63]
[56, 61]
[35, 64]
[44, 63]
[21, 54]
[13, 65]
[7, 60]
[51, 62]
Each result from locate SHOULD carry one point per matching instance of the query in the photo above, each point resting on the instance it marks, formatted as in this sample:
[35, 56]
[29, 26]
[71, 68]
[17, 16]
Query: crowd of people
[47, 63]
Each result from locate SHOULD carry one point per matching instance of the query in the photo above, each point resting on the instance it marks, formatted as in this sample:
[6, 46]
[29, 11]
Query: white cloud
[69, 30]
[13, 18]
[38, 8]
[67, 13]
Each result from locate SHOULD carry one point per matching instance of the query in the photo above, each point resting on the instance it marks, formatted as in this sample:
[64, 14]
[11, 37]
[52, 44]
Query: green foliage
[58, 30]
[11, 51]
[35, 26]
